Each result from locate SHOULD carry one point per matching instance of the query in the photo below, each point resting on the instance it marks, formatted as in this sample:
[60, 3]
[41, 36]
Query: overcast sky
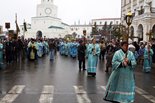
[69, 11]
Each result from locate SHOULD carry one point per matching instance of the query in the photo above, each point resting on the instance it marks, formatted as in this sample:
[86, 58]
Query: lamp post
[128, 19]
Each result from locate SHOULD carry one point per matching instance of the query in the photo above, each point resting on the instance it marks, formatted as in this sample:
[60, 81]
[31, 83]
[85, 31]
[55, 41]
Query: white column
[153, 3]
[132, 10]
[135, 32]
[147, 6]
[137, 2]
[137, 8]
[145, 30]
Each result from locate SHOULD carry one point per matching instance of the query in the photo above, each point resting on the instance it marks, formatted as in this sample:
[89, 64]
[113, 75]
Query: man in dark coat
[8, 50]
[153, 48]
[20, 49]
[81, 54]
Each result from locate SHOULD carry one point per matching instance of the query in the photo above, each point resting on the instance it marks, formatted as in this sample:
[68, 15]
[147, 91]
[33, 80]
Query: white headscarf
[131, 48]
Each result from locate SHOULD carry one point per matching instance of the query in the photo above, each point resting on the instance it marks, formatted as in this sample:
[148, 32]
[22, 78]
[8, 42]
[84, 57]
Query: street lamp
[128, 19]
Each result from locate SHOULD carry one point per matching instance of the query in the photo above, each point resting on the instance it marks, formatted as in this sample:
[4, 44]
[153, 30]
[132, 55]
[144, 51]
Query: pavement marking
[48, 89]
[145, 94]
[141, 92]
[47, 94]
[17, 89]
[9, 98]
[81, 95]
[12, 94]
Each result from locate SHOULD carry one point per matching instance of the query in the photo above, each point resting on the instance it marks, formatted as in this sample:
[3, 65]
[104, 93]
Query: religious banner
[7, 25]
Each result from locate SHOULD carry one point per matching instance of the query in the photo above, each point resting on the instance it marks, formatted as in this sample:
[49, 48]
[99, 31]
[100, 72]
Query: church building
[46, 23]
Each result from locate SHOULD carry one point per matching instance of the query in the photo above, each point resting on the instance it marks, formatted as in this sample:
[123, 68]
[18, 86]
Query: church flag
[17, 27]
[25, 27]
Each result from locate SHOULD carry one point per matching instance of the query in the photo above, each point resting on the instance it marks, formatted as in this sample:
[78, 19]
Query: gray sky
[69, 11]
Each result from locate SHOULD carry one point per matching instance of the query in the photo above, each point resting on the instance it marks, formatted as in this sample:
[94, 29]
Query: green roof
[55, 27]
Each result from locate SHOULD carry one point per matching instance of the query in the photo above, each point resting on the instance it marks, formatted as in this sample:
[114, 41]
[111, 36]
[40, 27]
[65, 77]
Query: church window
[116, 22]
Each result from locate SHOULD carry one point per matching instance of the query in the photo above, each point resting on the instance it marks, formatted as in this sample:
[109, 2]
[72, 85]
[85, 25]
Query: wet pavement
[60, 81]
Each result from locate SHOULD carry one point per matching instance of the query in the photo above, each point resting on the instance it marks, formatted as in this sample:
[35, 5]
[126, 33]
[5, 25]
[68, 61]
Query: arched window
[39, 34]
[131, 32]
[140, 32]
[153, 31]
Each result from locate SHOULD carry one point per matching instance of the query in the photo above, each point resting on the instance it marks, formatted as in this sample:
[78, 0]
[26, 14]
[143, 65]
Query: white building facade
[115, 21]
[101, 22]
[78, 29]
[46, 24]
[143, 17]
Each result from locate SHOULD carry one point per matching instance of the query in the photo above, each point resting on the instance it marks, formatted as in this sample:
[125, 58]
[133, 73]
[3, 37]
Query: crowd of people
[106, 51]
[16, 50]
[120, 59]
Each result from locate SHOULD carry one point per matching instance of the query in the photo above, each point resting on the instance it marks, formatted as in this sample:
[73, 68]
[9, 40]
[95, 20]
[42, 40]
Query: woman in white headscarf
[148, 53]
[133, 49]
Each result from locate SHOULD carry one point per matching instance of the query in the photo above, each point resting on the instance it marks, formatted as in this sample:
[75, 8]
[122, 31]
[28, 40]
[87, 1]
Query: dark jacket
[153, 48]
[81, 52]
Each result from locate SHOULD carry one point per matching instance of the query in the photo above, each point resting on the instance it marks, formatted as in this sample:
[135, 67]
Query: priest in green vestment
[121, 84]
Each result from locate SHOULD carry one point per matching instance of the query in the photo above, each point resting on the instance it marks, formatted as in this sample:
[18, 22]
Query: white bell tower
[47, 8]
